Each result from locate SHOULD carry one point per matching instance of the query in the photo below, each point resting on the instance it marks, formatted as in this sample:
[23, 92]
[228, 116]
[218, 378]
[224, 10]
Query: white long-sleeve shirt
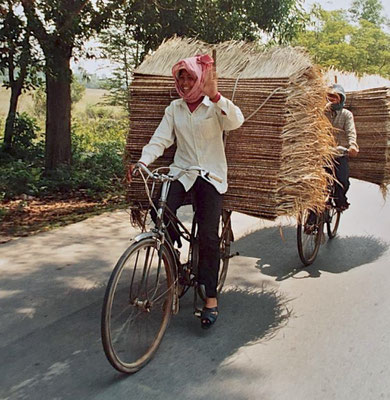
[199, 138]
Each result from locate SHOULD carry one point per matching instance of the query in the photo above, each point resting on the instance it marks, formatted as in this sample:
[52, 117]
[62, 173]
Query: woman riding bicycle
[345, 134]
[197, 121]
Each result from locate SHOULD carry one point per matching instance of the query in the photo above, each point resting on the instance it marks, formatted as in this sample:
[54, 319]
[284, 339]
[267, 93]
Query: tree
[118, 46]
[150, 22]
[141, 26]
[372, 46]
[61, 26]
[334, 42]
[77, 91]
[369, 10]
[19, 62]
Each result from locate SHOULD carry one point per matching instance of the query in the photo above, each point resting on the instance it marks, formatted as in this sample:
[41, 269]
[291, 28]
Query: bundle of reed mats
[371, 111]
[276, 158]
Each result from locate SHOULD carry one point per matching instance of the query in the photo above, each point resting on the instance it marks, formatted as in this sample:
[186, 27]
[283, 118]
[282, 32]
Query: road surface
[283, 333]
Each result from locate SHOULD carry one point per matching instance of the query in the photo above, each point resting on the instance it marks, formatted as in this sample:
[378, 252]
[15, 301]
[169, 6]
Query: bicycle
[310, 226]
[148, 280]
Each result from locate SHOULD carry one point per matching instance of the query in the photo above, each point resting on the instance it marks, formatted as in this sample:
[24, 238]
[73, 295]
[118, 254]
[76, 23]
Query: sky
[330, 5]
[103, 68]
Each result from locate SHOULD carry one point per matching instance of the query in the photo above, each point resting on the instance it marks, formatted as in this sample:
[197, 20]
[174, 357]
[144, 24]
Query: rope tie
[226, 134]
[261, 105]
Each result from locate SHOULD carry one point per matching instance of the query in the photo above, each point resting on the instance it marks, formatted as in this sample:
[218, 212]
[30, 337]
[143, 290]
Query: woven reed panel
[254, 151]
[276, 158]
[371, 110]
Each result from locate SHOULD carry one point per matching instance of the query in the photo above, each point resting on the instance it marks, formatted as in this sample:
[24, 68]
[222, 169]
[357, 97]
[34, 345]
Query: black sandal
[208, 317]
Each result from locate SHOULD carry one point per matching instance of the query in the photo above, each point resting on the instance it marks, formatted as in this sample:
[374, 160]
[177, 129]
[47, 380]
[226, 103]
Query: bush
[97, 161]
[18, 177]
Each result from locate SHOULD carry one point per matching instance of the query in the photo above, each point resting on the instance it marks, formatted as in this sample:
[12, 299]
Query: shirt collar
[206, 101]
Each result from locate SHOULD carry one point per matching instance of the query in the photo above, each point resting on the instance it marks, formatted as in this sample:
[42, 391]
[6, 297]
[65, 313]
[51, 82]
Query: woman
[197, 121]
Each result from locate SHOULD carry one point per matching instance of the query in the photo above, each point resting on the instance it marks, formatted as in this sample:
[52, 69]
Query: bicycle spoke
[137, 306]
[309, 234]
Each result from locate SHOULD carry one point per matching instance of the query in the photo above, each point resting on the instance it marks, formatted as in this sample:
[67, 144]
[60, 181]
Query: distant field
[91, 97]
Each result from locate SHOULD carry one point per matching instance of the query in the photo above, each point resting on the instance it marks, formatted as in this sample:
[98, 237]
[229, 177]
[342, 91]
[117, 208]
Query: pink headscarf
[197, 67]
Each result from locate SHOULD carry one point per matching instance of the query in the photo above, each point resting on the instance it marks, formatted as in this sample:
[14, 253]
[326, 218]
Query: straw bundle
[276, 159]
[371, 110]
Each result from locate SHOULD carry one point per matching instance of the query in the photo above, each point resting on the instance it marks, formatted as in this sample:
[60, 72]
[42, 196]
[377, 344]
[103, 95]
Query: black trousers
[342, 175]
[208, 205]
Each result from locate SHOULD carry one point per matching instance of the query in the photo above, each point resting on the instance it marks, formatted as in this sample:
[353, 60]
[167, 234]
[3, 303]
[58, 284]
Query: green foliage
[20, 61]
[118, 46]
[39, 97]
[77, 91]
[18, 177]
[39, 102]
[25, 132]
[141, 26]
[369, 10]
[212, 21]
[90, 81]
[62, 27]
[2, 124]
[103, 128]
[97, 164]
[25, 142]
[372, 49]
[335, 42]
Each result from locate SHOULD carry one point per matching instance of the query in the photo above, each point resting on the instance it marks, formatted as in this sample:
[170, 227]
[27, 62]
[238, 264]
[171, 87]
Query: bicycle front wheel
[137, 305]
[309, 236]
[332, 222]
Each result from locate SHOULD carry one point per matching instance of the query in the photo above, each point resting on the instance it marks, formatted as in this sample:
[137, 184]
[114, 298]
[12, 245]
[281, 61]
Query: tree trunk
[10, 122]
[58, 112]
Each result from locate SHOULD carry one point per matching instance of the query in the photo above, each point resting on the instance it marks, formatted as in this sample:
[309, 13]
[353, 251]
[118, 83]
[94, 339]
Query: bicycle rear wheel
[332, 221]
[309, 237]
[137, 305]
[226, 239]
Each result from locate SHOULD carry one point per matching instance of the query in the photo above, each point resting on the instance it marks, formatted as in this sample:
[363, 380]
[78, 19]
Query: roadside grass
[91, 188]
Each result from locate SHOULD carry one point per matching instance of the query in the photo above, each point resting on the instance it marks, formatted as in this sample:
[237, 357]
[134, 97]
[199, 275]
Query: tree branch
[101, 17]
[34, 22]
[74, 11]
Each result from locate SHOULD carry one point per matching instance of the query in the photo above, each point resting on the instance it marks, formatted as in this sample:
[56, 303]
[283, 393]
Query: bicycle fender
[155, 235]
[145, 235]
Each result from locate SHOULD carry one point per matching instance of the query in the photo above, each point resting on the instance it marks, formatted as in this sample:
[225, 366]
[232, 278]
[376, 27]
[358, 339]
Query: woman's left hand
[210, 87]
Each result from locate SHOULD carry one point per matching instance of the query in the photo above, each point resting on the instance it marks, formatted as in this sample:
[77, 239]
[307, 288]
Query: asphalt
[284, 332]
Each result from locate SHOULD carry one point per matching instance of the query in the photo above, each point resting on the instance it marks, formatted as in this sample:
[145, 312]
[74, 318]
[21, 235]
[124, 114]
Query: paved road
[284, 333]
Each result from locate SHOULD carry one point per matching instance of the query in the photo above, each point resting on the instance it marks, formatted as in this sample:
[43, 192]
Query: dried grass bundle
[276, 159]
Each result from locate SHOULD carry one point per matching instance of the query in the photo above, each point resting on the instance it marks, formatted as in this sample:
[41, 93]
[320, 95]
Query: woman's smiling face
[186, 81]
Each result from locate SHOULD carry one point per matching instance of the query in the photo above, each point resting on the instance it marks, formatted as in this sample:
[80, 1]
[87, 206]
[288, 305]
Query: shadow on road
[65, 359]
[279, 257]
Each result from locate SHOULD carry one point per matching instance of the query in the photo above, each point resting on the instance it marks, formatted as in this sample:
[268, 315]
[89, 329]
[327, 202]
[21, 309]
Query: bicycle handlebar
[342, 150]
[157, 176]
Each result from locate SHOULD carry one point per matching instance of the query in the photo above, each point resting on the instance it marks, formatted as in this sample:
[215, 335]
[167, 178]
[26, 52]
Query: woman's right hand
[129, 174]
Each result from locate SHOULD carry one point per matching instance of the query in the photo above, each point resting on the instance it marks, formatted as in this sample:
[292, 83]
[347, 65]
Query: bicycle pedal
[198, 313]
[234, 254]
